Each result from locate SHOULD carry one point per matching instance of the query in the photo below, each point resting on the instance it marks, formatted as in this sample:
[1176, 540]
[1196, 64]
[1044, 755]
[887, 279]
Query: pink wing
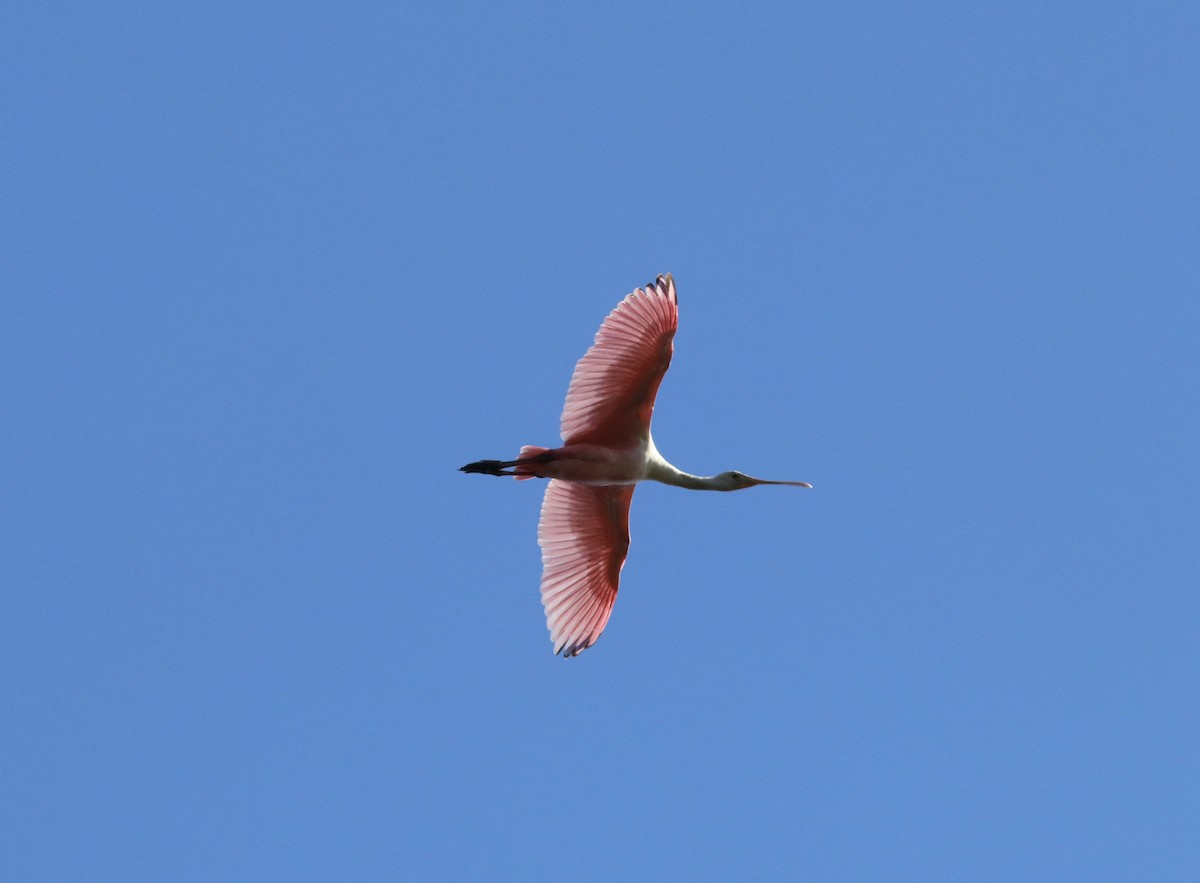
[611, 396]
[584, 535]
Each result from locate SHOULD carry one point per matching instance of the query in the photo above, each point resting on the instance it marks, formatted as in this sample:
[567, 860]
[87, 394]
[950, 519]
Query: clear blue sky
[272, 272]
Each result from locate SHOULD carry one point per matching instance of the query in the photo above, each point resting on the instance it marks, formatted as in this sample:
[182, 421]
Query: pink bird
[584, 528]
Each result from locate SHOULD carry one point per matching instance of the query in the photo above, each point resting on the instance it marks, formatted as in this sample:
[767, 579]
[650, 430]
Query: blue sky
[272, 272]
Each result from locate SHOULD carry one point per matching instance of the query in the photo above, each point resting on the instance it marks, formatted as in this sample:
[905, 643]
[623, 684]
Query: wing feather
[611, 397]
[584, 535]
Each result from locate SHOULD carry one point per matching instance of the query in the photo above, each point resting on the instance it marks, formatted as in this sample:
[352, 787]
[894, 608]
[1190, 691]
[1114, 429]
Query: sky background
[272, 272]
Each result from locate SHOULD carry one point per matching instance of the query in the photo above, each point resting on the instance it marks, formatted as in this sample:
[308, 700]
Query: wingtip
[666, 283]
[569, 649]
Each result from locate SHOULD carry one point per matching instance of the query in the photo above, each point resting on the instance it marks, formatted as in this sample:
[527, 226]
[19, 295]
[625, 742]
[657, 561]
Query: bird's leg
[499, 467]
[489, 467]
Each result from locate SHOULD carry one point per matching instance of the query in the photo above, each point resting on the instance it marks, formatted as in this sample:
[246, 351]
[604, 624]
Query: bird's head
[736, 481]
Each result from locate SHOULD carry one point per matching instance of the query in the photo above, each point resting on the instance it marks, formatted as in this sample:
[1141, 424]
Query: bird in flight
[607, 450]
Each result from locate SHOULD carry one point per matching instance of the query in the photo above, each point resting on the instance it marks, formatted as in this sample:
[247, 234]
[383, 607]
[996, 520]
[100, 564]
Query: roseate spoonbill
[584, 527]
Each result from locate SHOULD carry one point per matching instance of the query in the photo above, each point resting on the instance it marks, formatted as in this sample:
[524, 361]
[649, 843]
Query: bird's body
[584, 528]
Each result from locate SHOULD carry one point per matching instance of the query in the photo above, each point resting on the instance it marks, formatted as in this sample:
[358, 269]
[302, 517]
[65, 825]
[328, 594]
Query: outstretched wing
[611, 396]
[584, 535]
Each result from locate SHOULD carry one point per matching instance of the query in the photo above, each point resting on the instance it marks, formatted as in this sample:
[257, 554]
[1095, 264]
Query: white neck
[658, 469]
[696, 482]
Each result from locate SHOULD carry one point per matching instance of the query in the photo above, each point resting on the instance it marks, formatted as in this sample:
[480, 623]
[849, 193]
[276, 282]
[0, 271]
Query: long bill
[788, 483]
